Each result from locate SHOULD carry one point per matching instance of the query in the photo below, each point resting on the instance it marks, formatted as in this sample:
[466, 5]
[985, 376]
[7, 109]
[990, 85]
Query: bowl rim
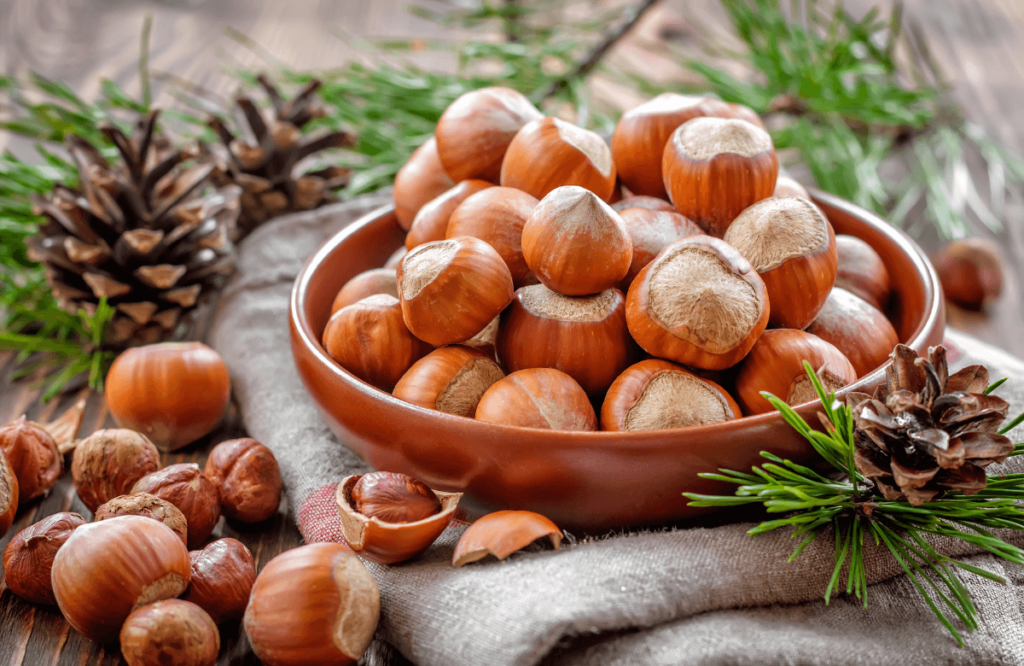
[302, 328]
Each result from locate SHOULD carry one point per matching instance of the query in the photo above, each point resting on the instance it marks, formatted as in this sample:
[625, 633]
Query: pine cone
[271, 170]
[925, 432]
[146, 234]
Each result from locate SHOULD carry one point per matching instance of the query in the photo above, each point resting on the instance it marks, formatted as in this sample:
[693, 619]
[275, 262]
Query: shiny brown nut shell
[776, 365]
[452, 289]
[502, 533]
[28, 557]
[651, 232]
[496, 216]
[393, 497]
[371, 340]
[657, 395]
[584, 337]
[857, 329]
[8, 494]
[715, 168]
[419, 180]
[474, 131]
[792, 247]
[247, 477]
[576, 244]
[315, 604]
[550, 153]
[184, 486]
[223, 574]
[431, 223]
[32, 453]
[450, 379]
[148, 506]
[106, 570]
[862, 272]
[171, 631]
[676, 306]
[538, 398]
[368, 283]
[107, 464]
[390, 543]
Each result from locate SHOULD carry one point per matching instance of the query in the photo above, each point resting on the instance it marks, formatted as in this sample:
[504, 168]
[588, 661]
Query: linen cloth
[696, 596]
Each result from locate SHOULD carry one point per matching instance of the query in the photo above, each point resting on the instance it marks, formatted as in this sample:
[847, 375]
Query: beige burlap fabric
[693, 596]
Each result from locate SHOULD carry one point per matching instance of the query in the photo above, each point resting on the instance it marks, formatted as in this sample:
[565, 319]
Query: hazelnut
[449, 379]
[368, 283]
[584, 337]
[8, 494]
[971, 272]
[28, 558]
[170, 632]
[386, 541]
[576, 244]
[222, 577]
[248, 478]
[538, 398]
[106, 570]
[734, 111]
[184, 486]
[485, 339]
[647, 203]
[699, 303]
[396, 257]
[657, 395]
[148, 506]
[370, 339]
[419, 180]
[792, 247]
[452, 289]
[651, 231]
[857, 329]
[173, 392]
[475, 130]
[862, 272]
[315, 604]
[502, 533]
[715, 168]
[550, 153]
[431, 223]
[776, 365]
[107, 464]
[33, 455]
[786, 186]
[496, 216]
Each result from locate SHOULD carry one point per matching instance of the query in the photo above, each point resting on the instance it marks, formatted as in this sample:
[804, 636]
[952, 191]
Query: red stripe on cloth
[318, 517]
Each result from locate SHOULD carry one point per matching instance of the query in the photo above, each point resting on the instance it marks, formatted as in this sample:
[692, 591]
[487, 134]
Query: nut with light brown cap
[450, 379]
[538, 398]
[502, 533]
[368, 283]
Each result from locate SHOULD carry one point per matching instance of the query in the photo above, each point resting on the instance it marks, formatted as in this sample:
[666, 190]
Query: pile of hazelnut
[549, 280]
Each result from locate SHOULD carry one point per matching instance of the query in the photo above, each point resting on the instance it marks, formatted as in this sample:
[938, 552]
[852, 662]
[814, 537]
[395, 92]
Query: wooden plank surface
[80, 41]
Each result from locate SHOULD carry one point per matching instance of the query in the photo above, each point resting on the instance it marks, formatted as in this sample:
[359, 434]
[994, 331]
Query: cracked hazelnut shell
[28, 557]
[452, 289]
[171, 631]
[862, 272]
[538, 398]
[315, 604]
[431, 223]
[368, 283]
[184, 486]
[550, 153]
[33, 455]
[776, 365]
[450, 379]
[106, 570]
[420, 179]
[496, 216]
[502, 533]
[857, 329]
[699, 303]
[584, 337]
[223, 574]
[148, 506]
[107, 463]
[247, 477]
[391, 542]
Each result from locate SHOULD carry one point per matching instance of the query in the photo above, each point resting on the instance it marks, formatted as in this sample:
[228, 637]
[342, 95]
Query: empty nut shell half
[502, 533]
[389, 543]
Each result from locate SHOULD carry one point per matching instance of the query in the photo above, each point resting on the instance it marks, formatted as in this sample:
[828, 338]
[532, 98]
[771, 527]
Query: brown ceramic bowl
[588, 480]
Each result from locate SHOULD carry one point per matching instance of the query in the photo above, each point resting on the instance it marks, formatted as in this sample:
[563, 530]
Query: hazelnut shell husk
[420, 179]
[857, 329]
[33, 454]
[431, 222]
[862, 272]
[107, 463]
[148, 506]
[28, 558]
[368, 283]
[450, 379]
[184, 486]
[223, 574]
[390, 543]
[171, 631]
[247, 477]
[502, 533]
[538, 398]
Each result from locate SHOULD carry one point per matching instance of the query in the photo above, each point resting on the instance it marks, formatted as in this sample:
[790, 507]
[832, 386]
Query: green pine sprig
[851, 508]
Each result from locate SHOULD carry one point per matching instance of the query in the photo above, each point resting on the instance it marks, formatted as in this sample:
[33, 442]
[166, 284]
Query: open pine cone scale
[925, 432]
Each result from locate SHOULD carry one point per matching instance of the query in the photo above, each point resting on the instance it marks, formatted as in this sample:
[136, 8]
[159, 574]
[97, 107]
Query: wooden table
[79, 41]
